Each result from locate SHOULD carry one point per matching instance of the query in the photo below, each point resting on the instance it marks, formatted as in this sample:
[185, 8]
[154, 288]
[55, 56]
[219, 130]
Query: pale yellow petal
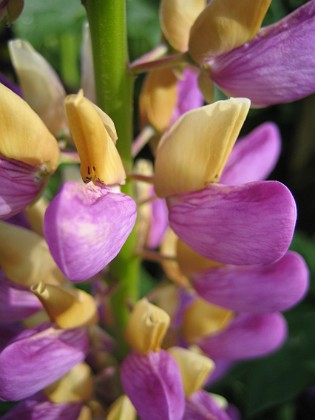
[194, 151]
[94, 136]
[35, 215]
[194, 368]
[121, 409]
[24, 135]
[75, 386]
[68, 308]
[158, 99]
[41, 86]
[224, 25]
[25, 257]
[176, 18]
[190, 261]
[171, 266]
[146, 327]
[202, 318]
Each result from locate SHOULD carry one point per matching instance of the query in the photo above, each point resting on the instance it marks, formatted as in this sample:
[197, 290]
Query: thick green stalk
[114, 92]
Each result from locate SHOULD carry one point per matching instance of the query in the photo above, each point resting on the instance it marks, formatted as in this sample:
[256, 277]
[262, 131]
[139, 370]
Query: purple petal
[86, 226]
[259, 289]
[19, 186]
[39, 407]
[277, 66]
[29, 364]
[153, 384]
[16, 303]
[253, 157]
[201, 405]
[248, 336]
[158, 223]
[188, 93]
[243, 225]
[9, 84]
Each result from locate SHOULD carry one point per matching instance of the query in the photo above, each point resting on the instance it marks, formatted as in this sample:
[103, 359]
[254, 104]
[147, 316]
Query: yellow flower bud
[224, 25]
[94, 135]
[35, 215]
[25, 257]
[194, 368]
[190, 261]
[25, 137]
[68, 308]
[40, 84]
[202, 318]
[177, 17]
[158, 99]
[194, 151]
[75, 386]
[146, 327]
[121, 409]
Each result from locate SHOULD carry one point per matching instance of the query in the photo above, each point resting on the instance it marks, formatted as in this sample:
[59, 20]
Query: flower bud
[194, 368]
[146, 327]
[75, 386]
[121, 409]
[26, 138]
[202, 319]
[41, 86]
[94, 135]
[11, 9]
[224, 25]
[68, 308]
[176, 19]
[194, 151]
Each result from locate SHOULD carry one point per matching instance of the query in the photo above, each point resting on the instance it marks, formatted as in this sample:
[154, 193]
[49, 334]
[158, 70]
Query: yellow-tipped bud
[194, 368]
[75, 386]
[206, 86]
[94, 135]
[202, 318]
[224, 25]
[25, 137]
[121, 409]
[194, 151]
[35, 215]
[158, 99]
[40, 84]
[171, 266]
[146, 327]
[68, 308]
[25, 257]
[177, 17]
[190, 261]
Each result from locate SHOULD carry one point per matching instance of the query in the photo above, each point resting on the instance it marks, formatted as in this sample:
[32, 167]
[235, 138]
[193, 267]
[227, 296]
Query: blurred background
[281, 386]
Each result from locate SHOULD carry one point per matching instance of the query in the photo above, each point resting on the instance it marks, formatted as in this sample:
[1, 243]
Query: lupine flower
[243, 60]
[29, 154]
[95, 218]
[223, 223]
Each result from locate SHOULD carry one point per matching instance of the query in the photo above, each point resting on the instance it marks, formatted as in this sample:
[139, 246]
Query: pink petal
[243, 225]
[39, 407]
[254, 156]
[86, 226]
[262, 288]
[277, 66]
[158, 223]
[201, 405]
[153, 384]
[19, 186]
[30, 363]
[248, 336]
[188, 93]
[16, 303]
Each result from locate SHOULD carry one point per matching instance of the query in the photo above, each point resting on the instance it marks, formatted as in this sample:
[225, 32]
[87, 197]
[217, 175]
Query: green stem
[114, 92]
